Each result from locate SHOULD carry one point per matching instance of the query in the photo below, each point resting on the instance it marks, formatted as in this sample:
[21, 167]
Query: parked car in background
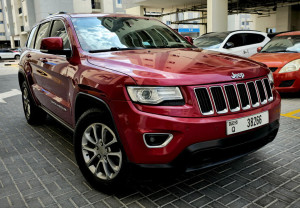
[282, 56]
[139, 95]
[9, 54]
[242, 42]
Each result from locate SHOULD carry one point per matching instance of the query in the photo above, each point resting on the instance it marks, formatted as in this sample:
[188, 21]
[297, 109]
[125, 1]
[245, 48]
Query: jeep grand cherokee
[136, 93]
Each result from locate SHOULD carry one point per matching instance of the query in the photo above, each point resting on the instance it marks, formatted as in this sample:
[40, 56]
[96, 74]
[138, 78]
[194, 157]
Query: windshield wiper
[115, 49]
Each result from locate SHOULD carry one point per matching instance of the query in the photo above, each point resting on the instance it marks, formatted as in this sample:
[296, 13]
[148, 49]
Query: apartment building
[4, 38]
[18, 16]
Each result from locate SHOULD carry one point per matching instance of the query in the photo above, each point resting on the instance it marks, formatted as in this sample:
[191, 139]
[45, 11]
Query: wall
[283, 19]
[261, 23]
[82, 6]
[295, 19]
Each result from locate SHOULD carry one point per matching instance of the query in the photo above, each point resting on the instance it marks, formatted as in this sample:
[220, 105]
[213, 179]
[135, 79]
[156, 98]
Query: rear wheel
[17, 57]
[99, 152]
[33, 113]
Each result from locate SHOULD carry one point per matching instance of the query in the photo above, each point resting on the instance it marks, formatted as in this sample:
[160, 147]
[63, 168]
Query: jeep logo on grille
[238, 75]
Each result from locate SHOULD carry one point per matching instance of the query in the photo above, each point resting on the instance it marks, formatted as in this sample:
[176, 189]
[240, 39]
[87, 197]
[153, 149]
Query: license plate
[250, 122]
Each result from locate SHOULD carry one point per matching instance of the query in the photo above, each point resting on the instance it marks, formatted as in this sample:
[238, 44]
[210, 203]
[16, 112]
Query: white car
[242, 42]
[9, 54]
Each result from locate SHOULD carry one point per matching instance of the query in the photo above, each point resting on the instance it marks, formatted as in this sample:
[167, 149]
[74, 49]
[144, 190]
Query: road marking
[291, 114]
[8, 94]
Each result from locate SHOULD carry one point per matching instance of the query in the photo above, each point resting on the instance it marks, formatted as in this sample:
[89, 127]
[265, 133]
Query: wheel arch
[84, 102]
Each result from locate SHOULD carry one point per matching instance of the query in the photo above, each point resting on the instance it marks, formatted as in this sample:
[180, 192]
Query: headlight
[153, 95]
[271, 78]
[291, 66]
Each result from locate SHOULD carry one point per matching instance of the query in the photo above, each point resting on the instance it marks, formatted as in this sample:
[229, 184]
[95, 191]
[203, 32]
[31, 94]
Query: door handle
[44, 60]
[28, 55]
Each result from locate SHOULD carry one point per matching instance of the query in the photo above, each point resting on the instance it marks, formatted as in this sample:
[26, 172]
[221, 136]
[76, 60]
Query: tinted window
[30, 41]
[210, 40]
[237, 40]
[253, 38]
[42, 33]
[59, 30]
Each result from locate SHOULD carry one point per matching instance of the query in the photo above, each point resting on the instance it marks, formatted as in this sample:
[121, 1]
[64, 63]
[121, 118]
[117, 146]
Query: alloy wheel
[101, 152]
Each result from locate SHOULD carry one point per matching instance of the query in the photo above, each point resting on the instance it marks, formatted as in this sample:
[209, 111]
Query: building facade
[18, 16]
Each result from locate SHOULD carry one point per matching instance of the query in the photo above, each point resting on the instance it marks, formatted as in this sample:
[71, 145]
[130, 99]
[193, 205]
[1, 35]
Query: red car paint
[56, 81]
[277, 61]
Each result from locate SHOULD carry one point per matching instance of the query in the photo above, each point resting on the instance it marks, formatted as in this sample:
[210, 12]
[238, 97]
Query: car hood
[177, 66]
[275, 59]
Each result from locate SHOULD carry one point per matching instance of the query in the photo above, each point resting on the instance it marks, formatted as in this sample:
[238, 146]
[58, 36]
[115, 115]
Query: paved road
[38, 169]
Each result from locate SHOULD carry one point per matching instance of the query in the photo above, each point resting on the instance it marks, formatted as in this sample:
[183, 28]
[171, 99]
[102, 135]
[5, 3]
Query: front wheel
[99, 152]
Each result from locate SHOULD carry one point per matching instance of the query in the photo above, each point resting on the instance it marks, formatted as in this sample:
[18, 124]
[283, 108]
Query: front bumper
[187, 132]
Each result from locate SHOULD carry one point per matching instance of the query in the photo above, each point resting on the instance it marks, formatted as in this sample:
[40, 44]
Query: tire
[17, 57]
[101, 159]
[33, 114]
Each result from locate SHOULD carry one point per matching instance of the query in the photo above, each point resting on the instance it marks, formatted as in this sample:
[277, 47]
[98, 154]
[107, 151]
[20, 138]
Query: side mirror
[259, 49]
[54, 45]
[229, 45]
[190, 39]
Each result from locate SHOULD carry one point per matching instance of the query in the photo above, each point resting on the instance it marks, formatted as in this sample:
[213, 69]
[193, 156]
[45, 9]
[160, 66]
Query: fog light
[157, 140]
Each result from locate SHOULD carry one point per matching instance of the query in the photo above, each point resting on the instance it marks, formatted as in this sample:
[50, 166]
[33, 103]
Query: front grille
[273, 69]
[233, 97]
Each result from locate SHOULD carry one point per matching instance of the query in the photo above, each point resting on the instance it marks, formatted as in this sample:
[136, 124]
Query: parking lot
[38, 168]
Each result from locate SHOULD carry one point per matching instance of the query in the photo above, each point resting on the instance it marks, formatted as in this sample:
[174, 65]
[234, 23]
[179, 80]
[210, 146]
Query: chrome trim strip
[168, 140]
[57, 118]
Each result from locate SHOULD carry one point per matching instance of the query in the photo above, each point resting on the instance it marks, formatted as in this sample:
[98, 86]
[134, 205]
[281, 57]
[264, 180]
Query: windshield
[210, 41]
[289, 44]
[98, 34]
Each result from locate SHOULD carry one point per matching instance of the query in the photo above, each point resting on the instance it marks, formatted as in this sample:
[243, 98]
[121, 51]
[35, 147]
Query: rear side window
[237, 40]
[30, 41]
[251, 38]
[42, 33]
[59, 30]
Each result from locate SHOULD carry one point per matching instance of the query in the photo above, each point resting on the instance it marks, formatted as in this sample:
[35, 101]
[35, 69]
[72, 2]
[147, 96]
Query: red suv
[137, 94]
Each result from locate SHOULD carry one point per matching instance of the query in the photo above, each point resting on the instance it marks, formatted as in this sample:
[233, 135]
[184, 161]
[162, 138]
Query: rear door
[49, 71]
[239, 47]
[253, 41]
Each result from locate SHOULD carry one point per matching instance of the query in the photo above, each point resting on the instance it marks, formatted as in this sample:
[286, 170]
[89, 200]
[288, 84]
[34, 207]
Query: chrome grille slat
[244, 98]
[268, 89]
[233, 97]
[219, 99]
[253, 94]
[261, 91]
[204, 101]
